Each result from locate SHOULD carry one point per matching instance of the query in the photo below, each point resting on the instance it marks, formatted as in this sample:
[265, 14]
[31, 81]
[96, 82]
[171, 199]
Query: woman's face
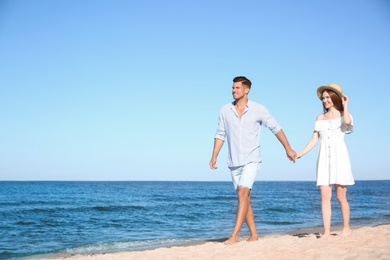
[326, 100]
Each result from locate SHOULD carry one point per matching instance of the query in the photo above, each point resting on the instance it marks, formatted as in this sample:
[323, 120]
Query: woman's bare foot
[325, 235]
[346, 232]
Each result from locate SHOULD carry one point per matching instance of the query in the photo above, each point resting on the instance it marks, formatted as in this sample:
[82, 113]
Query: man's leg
[250, 221]
[243, 179]
[242, 214]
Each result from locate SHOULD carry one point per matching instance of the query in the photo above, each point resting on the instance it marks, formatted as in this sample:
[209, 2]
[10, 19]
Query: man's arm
[291, 154]
[218, 143]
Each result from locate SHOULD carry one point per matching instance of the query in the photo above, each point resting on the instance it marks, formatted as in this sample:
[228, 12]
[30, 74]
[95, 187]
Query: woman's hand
[345, 100]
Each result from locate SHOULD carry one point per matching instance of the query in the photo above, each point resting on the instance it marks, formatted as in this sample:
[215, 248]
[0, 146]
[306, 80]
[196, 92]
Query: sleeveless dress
[333, 164]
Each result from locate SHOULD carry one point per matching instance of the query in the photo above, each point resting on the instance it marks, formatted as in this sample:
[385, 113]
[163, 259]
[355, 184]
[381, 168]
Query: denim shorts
[244, 176]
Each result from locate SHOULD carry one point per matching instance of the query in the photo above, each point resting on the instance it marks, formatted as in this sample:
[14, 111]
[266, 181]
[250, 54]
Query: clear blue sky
[131, 90]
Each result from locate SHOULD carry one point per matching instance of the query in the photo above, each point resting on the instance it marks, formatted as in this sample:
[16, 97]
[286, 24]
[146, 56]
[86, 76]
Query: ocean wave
[118, 208]
[280, 223]
[282, 210]
[127, 246]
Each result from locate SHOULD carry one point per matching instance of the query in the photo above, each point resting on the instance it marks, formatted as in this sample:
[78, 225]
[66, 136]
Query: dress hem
[347, 184]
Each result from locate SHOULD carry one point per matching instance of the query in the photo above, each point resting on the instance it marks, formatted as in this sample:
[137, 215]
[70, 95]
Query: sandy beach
[363, 243]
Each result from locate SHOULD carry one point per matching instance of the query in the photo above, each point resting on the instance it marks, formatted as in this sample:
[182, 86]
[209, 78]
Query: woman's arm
[310, 145]
[347, 117]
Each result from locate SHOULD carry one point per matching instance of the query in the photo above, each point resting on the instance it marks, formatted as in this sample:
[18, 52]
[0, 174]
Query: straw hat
[336, 88]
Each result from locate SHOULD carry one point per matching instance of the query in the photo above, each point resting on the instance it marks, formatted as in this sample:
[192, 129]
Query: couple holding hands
[239, 124]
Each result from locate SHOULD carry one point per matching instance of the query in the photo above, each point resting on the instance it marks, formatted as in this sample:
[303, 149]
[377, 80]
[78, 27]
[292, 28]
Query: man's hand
[213, 163]
[291, 155]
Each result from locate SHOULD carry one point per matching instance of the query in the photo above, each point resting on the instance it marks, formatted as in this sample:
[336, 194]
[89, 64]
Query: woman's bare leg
[326, 195]
[341, 194]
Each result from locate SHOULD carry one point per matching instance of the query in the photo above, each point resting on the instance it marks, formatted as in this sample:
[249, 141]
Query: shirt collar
[247, 104]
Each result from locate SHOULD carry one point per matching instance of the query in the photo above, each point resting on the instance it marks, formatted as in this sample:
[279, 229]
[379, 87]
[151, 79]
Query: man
[240, 124]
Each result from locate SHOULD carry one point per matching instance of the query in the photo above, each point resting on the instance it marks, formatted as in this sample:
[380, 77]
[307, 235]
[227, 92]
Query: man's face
[239, 90]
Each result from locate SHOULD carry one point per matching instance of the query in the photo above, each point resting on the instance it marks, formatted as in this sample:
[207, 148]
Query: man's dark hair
[244, 81]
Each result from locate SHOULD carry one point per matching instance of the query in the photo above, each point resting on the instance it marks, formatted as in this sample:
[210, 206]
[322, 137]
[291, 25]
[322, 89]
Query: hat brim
[322, 88]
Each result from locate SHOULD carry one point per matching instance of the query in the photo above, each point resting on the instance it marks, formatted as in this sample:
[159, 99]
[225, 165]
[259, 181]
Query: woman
[333, 164]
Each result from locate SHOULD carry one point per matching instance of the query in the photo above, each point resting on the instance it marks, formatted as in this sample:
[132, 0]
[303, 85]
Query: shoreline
[367, 242]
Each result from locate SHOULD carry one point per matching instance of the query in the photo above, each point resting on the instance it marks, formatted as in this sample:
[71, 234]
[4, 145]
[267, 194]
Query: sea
[59, 219]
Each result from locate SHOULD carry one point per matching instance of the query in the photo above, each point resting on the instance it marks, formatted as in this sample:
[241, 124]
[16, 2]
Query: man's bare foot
[346, 232]
[231, 241]
[253, 238]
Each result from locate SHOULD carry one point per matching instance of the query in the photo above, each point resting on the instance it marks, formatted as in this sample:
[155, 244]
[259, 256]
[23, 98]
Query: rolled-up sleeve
[221, 130]
[270, 122]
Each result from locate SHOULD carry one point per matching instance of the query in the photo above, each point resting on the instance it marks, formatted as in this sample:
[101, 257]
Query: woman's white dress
[333, 164]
